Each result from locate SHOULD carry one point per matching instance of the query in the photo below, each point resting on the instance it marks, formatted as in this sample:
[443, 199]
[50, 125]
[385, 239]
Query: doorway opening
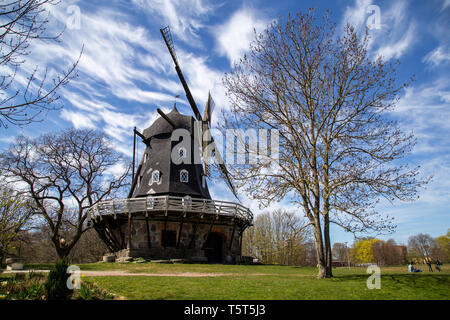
[213, 248]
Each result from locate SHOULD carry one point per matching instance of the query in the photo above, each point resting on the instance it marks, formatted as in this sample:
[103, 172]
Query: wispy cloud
[438, 56]
[399, 45]
[234, 36]
[185, 18]
[396, 34]
[445, 4]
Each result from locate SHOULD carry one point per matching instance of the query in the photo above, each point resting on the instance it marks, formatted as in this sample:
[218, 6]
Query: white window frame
[184, 171]
[154, 174]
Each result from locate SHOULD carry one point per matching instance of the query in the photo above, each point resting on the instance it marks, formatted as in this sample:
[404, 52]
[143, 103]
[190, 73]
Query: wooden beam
[240, 242]
[134, 153]
[103, 237]
[179, 231]
[194, 231]
[129, 231]
[165, 117]
[139, 134]
[135, 179]
[232, 236]
[149, 241]
[112, 236]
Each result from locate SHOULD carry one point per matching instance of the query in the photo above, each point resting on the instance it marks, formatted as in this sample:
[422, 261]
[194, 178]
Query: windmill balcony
[165, 204]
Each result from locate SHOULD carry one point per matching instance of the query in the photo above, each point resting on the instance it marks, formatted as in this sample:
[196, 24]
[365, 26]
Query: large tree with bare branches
[14, 218]
[63, 174]
[338, 149]
[26, 94]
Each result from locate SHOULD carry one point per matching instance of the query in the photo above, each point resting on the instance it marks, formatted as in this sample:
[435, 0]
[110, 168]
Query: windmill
[169, 213]
[207, 144]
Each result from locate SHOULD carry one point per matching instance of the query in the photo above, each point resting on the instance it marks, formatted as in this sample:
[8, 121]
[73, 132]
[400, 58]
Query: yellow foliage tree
[443, 247]
[362, 251]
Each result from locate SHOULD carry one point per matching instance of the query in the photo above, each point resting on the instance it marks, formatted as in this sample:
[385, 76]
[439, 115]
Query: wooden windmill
[169, 212]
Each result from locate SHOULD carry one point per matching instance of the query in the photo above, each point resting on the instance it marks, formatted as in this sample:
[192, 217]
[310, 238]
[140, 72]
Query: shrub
[56, 285]
[23, 287]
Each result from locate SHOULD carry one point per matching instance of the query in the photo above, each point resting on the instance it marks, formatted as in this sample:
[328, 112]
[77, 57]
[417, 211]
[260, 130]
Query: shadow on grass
[418, 281]
[39, 266]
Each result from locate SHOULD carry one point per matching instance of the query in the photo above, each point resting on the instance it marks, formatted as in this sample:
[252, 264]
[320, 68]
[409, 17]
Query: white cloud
[398, 31]
[399, 46]
[356, 15]
[437, 57]
[112, 58]
[185, 18]
[79, 119]
[235, 35]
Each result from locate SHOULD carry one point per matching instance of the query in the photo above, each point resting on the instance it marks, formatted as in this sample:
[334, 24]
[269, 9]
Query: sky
[125, 73]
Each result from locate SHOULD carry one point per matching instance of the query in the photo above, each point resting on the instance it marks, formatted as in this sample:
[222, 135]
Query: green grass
[275, 287]
[159, 268]
[267, 283]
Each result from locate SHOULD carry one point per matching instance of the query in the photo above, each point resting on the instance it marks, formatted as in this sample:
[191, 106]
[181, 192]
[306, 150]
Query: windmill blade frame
[167, 36]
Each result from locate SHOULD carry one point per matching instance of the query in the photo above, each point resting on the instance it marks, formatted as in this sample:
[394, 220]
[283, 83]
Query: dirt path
[121, 273]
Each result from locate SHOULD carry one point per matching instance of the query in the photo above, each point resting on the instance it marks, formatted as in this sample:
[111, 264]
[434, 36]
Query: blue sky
[125, 73]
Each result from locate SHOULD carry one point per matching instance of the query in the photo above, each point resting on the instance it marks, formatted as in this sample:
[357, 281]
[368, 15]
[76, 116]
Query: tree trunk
[328, 253]
[321, 261]
[62, 251]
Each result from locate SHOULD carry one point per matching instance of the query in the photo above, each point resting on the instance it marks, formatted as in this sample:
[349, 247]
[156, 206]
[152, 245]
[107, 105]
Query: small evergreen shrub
[56, 285]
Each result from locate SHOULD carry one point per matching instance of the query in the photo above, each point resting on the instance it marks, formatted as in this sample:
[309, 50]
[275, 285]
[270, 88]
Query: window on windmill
[155, 176]
[184, 176]
[168, 238]
[139, 181]
[182, 152]
[145, 157]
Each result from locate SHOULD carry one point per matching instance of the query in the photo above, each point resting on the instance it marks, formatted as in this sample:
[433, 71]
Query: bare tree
[337, 150]
[65, 174]
[421, 246]
[277, 238]
[340, 251]
[26, 100]
[14, 218]
[388, 253]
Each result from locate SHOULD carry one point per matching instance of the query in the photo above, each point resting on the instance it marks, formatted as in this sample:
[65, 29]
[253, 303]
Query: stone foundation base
[109, 258]
[168, 255]
[14, 264]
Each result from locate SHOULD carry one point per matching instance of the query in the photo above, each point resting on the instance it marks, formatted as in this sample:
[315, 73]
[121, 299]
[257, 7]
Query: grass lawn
[242, 282]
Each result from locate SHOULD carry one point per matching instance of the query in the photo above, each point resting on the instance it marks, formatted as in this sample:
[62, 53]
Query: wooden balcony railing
[169, 203]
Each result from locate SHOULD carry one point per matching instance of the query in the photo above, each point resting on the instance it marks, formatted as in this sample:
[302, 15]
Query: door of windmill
[213, 248]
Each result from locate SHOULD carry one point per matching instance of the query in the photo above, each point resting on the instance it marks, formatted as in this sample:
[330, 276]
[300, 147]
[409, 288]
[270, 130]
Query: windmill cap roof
[161, 126]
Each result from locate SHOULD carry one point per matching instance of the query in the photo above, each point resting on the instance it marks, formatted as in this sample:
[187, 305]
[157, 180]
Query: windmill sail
[169, 43]
[209, 109]
[206, 122]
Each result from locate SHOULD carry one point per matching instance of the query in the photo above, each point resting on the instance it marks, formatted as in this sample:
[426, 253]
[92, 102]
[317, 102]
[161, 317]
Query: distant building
[339, 263]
